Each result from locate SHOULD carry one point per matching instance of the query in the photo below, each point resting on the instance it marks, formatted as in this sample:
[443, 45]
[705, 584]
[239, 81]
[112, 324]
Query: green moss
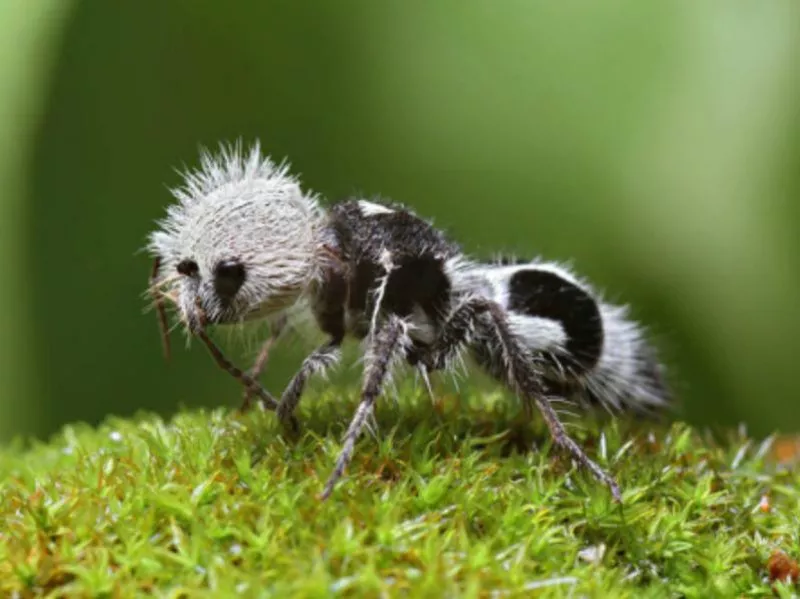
[448, 502]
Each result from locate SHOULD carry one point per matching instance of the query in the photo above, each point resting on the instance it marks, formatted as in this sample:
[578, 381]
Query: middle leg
[386, 347]
[323, 358]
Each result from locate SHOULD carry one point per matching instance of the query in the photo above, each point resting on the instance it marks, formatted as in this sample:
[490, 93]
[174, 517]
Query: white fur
[469, 278]
[244, 206]
[615, 380]
[371, 209]
[616, 377]
[540, 334]
[421, 328]
[380, 290]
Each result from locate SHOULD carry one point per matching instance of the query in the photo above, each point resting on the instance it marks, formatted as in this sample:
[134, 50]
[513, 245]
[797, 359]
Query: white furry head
[240, 242]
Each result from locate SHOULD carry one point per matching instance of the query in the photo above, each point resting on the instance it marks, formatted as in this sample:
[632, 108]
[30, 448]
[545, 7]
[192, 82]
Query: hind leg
[483, 324]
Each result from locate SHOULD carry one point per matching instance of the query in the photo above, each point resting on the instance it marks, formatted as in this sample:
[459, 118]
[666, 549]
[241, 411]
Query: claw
[423, 372]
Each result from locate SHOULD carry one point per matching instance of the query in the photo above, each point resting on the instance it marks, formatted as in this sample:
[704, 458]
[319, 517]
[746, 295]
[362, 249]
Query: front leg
[266, 399]
[317, 362]
[488, 318]
[385, 348]
[261, 360]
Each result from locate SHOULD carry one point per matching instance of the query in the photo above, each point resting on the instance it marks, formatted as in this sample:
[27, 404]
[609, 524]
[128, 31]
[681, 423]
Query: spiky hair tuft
[240, 204]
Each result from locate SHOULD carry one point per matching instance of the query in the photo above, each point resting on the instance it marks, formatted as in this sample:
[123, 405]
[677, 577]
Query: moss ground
[450, 500]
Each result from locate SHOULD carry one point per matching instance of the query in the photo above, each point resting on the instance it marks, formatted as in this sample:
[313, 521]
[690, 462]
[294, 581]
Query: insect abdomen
[546, 294]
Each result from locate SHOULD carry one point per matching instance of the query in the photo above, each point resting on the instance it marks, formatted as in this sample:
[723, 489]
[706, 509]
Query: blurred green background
[656, 145]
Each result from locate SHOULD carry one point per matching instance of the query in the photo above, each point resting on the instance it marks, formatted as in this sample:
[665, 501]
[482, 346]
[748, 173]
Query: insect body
[583, 348]
[245, 242]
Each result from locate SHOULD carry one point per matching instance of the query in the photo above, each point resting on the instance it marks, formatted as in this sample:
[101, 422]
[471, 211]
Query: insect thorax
[393, 262]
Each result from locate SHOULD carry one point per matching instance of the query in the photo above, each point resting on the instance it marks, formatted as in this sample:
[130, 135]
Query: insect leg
[158, 302]
[562, 439]
[457, 332]
[266, 399]
[385, 347]
[319, 361]
[261, 360]
[519, 371]
[524, 379]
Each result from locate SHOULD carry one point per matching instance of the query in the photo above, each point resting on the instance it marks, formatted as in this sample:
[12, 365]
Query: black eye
[229, 276]
[188, 267]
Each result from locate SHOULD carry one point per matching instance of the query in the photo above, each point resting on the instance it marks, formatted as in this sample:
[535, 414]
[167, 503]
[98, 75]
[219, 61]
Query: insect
[245, 242]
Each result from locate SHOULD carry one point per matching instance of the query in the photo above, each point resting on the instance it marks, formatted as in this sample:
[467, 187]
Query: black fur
[416, 253]
[545, 294]
[345, 300]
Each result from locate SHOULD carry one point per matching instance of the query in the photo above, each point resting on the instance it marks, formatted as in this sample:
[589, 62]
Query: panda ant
[244, 242]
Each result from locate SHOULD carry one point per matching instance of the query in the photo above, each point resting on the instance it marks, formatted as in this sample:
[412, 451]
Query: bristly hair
[628, 375]
[230, 166]
[241, 205]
